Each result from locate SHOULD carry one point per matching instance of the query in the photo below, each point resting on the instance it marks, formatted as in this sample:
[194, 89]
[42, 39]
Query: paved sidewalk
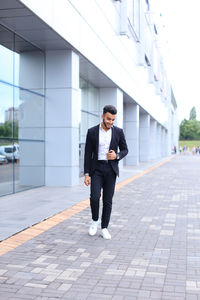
[153, 254]
[21, 210]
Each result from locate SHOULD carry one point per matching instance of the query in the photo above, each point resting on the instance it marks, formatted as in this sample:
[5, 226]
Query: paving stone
[117, 297]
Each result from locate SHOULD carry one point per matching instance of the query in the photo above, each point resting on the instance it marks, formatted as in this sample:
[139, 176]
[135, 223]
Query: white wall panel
[87, 27]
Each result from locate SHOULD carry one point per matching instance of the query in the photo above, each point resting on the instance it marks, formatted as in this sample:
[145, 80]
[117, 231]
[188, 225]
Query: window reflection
[6, 110]
[89, 114]
[21, 114]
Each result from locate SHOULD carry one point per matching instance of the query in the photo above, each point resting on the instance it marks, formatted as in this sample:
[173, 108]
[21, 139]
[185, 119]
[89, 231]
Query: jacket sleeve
[87, 154]
[122, 146]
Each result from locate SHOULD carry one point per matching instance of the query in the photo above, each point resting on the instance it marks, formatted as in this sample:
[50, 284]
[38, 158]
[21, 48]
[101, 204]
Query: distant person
[180, 149]
[101, 166]
[194, 150]
[175, 149]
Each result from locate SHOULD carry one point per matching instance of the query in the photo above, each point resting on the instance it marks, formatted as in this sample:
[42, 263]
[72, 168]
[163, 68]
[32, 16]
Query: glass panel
[29, 110]
[90, 115]
[21, 114]
[29, 134]
[6, 166]
[29, 164]
[6, 110]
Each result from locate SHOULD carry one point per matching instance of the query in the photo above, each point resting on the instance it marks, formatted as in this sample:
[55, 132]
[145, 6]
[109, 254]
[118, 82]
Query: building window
[21, 114]
[90, 114]
[147, 61]
[133, 10]
[155, 62]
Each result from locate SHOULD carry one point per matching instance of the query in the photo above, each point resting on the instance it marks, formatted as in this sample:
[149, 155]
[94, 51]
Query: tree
[190, 130]
[2, 131]
[182, 129]
[193, 114]
[9, 130]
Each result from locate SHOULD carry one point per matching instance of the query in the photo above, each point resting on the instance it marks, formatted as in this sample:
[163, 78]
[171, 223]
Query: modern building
[61, 61]
[11, 114]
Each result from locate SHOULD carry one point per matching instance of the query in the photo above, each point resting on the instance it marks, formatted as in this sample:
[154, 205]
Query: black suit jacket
[92, 145]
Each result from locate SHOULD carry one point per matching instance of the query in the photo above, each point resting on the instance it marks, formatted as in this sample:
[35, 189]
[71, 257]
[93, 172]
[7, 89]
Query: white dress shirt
[104, 142]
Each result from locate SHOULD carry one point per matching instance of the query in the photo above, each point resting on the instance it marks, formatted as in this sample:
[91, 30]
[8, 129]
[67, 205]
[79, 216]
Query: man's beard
[105, 124]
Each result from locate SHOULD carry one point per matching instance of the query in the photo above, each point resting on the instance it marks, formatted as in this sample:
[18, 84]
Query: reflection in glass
[6, 110]
[21, 114]
[29, 168]
[30, 111]
[6, 167]
[89, 107]
[89, 114]
[29, 172]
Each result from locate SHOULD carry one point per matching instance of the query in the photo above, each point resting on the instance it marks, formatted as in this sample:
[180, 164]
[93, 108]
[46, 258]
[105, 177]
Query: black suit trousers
[103, 178]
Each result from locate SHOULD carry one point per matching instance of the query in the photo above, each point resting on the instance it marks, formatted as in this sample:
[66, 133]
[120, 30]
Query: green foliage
[9, 130]
[190, 130]
[193, 114]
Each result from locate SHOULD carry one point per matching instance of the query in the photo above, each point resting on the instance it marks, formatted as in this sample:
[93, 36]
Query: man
[101, 166]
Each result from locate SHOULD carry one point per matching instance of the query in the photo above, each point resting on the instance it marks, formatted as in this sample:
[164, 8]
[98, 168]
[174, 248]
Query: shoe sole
[91, 234]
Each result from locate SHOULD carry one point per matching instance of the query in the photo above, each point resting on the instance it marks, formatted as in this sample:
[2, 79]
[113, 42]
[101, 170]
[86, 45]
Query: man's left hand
[111, 155]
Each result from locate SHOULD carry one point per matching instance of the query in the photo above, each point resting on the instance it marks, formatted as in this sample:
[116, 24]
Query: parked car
[11, 152]
[3, 160]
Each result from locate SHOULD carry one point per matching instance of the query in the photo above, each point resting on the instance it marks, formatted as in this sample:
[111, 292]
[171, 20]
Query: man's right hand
[87, 180]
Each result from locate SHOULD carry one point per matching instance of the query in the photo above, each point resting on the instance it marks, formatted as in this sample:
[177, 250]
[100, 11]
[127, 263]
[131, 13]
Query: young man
[101, 166]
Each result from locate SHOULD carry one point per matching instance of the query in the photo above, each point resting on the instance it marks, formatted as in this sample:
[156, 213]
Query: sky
[178, 28]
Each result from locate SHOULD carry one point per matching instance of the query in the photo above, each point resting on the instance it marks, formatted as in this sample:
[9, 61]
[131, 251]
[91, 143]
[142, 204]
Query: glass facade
[90, 114]
[21, 114]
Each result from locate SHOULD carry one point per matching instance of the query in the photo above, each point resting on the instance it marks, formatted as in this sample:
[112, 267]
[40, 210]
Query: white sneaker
[105, 234]
[93, 227]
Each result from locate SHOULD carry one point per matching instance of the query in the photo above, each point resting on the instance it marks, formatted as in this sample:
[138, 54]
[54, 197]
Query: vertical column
[131, 125]
[176, 130]
[166, 142]
[31, 118]
[144, 137]
[62, 123]
[169, 134]
[169, 123]
[153, 127]
[158, 138]
[162, 142]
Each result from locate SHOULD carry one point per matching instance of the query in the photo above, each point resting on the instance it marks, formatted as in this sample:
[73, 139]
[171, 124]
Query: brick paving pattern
[154, 252]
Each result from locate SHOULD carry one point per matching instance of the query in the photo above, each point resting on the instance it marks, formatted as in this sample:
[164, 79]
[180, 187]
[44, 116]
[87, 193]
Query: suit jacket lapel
[97, 137]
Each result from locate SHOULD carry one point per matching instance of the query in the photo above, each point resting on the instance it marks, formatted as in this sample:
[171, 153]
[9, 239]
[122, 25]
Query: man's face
[108, 119]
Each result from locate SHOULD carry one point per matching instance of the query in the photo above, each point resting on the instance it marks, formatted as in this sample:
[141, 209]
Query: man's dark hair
[110, 109]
